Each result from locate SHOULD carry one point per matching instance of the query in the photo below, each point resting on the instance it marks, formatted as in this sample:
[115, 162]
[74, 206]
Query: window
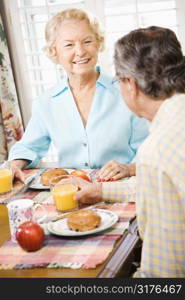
[124, 16]
[34, 15]
[36, 73]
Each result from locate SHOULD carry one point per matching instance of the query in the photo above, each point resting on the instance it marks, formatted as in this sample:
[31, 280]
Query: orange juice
[5, 180]
[63, 194]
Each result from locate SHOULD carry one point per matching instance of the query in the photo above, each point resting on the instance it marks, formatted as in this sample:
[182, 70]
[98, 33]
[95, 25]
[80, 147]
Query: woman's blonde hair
[53, 25]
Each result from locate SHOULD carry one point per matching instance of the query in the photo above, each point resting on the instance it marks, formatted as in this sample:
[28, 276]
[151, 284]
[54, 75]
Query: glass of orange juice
[6, 178]
[63, 193]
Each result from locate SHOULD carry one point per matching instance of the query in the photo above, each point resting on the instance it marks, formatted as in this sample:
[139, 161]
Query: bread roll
[49, 174]
[83, 220]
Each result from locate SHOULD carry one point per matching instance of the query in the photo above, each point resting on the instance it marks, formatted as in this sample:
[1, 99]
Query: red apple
[30, 236]
[80, 173]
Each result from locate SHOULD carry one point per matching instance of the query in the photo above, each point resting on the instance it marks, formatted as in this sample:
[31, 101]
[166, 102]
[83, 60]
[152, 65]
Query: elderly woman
[83, 114]
[150, 68]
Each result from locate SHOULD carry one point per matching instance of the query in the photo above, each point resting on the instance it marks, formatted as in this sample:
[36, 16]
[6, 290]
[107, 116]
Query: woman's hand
[89, 193]
[113, 170]
[17, 166]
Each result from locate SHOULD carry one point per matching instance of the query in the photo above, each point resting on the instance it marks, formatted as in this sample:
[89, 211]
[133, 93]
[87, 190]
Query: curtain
[11, 126]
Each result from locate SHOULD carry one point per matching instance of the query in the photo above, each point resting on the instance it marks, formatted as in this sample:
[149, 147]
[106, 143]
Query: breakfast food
[83, 220]
[49, 174]
[82, 174]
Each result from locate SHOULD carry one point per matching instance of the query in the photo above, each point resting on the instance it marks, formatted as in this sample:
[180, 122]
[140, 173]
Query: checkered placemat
[80, 252]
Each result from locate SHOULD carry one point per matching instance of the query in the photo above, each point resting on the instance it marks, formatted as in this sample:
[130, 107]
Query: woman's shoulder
[52, 92]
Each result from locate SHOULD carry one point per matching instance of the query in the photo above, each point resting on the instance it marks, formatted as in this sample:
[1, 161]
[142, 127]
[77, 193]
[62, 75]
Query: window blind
[124, 16]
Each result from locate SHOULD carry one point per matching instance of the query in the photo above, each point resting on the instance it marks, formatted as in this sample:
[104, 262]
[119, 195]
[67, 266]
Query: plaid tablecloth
[82, 252]
[18, 185]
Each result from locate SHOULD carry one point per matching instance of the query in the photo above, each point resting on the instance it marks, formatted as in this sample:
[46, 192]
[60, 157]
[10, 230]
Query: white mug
[20, 211]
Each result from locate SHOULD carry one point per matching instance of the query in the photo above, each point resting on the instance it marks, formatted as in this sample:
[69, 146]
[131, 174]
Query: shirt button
[86, 164]
[84, 144]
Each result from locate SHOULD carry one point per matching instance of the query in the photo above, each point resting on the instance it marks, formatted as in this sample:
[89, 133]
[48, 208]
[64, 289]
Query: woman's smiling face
[77, 47]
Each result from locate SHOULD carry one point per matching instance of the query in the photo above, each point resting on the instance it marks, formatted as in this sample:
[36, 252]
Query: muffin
[46, 176]
[83, 220]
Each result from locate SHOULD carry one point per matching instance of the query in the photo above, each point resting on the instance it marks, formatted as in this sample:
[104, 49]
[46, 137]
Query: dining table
[120, 243]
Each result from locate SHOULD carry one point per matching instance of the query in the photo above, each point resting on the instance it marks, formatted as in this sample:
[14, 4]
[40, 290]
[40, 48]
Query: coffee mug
[20, 211]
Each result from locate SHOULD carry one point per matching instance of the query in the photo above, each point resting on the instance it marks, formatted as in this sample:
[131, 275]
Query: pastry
[83, 220]
[46, 176]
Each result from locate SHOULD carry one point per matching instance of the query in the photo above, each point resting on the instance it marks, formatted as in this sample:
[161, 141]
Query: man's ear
[132, 86]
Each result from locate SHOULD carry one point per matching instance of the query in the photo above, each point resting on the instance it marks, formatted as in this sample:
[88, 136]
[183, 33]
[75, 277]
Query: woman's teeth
[82, 61]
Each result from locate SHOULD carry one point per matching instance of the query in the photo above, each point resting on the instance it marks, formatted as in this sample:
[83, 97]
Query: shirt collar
[162, 111]
[103, 80]
[57, 90]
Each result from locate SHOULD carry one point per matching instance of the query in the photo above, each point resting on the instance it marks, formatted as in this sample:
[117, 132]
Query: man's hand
[89, 193]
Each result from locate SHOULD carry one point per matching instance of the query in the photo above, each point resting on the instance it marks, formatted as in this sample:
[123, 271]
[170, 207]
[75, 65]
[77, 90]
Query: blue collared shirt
[112, 131]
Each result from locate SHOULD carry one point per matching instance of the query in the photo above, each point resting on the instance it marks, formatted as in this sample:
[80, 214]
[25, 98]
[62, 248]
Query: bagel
[46, 176]
[83, 220]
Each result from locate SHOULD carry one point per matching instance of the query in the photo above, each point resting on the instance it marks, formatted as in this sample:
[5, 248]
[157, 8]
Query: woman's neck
[83, 88]
[84, 81]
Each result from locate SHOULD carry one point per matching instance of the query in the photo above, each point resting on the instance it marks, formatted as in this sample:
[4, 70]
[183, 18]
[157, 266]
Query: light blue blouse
[112, 130]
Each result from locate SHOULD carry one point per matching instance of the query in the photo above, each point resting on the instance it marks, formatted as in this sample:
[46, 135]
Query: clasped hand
[112, 171]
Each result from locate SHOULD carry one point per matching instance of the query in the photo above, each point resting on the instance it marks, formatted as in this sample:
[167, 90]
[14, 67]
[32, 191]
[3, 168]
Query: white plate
[60, 227]
[39, 186]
